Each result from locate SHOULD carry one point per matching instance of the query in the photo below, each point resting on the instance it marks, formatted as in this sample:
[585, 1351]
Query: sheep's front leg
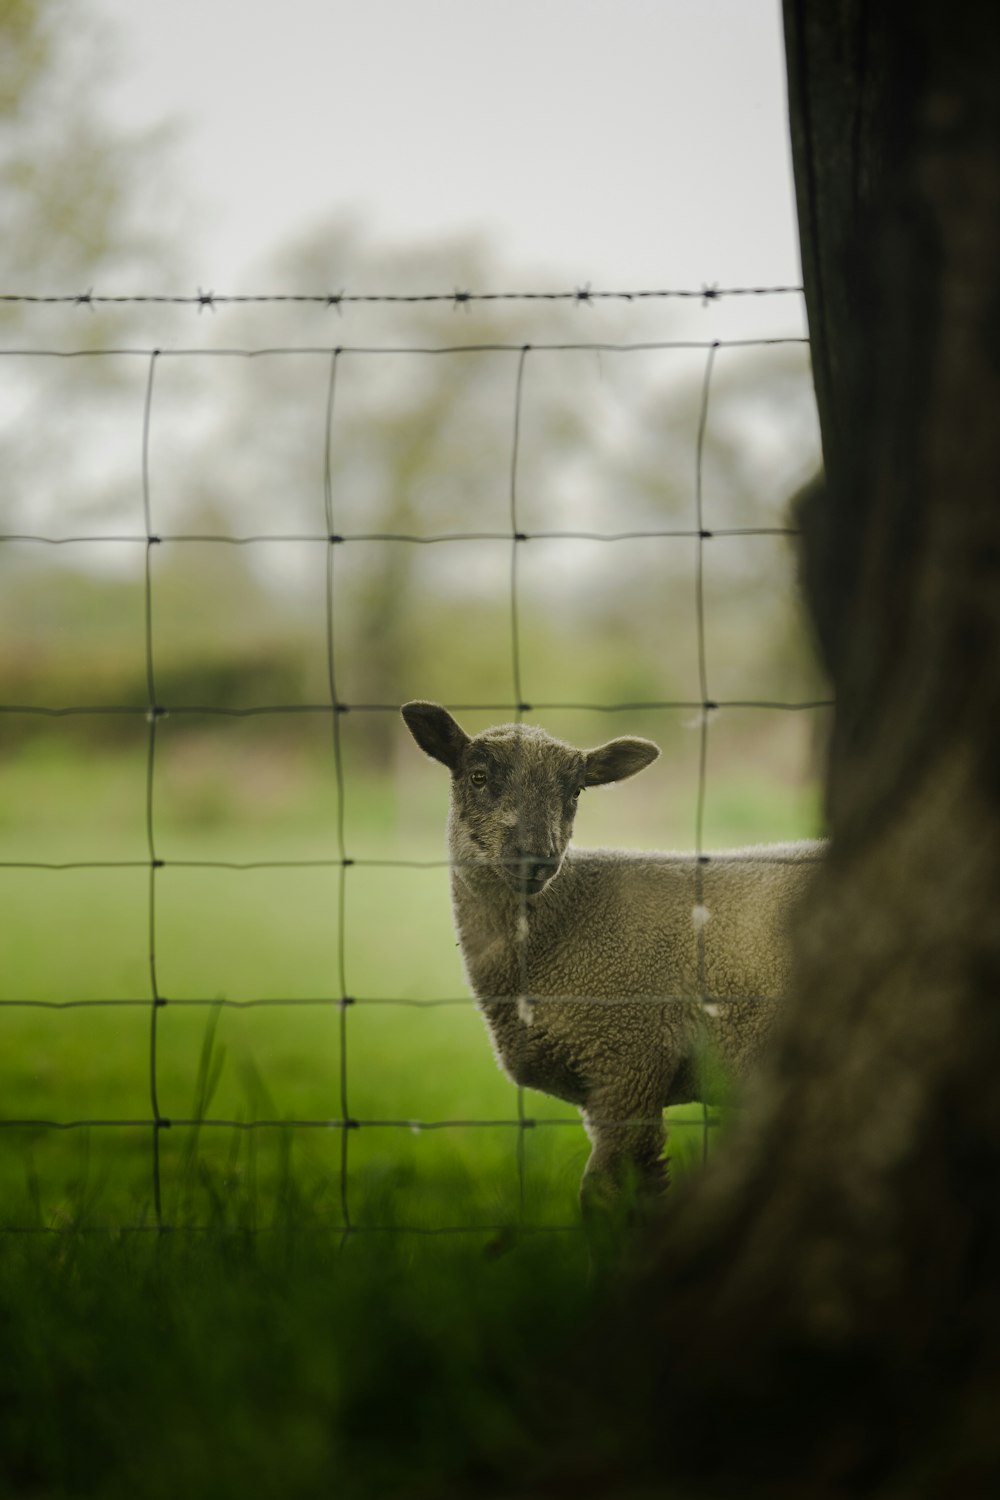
[626, 1170]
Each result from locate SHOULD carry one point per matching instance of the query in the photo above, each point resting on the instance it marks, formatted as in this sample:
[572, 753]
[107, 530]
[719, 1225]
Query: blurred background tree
[421, 446]
[85, 208]
[80, 199]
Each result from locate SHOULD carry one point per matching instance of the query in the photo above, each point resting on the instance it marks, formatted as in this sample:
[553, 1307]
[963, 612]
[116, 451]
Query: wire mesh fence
[336, 540]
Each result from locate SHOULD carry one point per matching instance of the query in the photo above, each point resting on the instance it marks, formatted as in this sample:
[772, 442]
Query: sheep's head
[514, 792]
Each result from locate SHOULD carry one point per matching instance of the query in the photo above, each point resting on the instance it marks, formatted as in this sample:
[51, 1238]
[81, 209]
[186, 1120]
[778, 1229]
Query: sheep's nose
[534, 868]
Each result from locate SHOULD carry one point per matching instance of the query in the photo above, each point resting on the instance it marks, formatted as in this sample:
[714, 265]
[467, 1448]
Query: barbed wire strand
[582, 296]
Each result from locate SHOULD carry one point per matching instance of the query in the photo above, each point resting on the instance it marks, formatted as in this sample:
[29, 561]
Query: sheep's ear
[435, 731]
[618, 759]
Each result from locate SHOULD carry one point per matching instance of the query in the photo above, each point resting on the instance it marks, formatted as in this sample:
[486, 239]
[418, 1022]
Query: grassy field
[409, 1055]
[277, 1366]
[276, 1356]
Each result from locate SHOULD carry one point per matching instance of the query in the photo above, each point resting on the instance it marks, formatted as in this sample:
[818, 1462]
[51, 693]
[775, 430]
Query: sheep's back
[627, 924]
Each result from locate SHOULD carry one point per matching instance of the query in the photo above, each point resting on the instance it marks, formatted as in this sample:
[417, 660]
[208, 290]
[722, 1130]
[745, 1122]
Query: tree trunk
[821, 1315]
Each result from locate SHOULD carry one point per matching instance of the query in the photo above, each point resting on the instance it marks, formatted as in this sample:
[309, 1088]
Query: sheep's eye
[478, 778]
[577, 791]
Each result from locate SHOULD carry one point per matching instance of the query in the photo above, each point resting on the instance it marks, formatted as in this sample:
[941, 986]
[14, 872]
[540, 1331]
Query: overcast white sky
[624, 143]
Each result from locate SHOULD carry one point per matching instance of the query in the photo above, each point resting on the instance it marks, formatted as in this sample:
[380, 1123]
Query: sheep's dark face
[515, 791]
[514, 798]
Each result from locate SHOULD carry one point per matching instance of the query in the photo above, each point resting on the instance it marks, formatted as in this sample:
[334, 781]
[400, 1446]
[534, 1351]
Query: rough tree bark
[821, 1316]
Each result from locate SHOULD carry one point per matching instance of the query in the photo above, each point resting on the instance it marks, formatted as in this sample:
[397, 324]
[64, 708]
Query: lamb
[616, 980]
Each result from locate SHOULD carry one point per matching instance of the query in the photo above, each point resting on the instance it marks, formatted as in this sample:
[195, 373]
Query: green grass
[273, 1355]
[275, 1365]
[243, 935]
